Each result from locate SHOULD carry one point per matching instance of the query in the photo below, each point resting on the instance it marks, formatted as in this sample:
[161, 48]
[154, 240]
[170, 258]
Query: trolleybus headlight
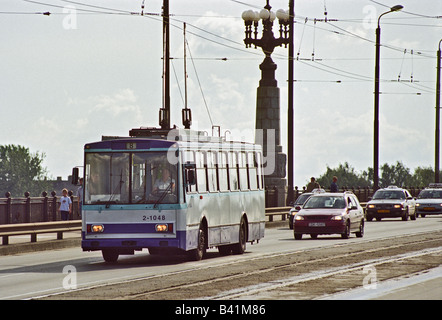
[161, 228]
[96, 228]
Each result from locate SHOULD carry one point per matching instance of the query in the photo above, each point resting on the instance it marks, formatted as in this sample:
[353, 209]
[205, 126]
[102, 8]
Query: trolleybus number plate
[154, 218]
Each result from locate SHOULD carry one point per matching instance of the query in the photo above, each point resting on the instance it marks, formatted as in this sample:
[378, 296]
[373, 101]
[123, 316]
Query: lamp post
[376, 100]
[267, 102]
[268, 42]
[437, 136]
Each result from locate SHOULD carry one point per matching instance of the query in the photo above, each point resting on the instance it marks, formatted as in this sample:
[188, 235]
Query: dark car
[391, 202]
[429, 200]
[330, 213]
[297, 206]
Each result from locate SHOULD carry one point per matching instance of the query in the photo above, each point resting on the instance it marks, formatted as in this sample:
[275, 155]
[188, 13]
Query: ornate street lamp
[267, 102]
[267, 42]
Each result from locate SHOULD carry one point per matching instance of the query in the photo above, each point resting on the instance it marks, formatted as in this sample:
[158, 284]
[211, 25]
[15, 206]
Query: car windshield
[325, 202]
[301, 199]
[430, 194]
[388, 194]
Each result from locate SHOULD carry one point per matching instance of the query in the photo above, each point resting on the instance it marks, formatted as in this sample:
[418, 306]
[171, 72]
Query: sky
[94, 68]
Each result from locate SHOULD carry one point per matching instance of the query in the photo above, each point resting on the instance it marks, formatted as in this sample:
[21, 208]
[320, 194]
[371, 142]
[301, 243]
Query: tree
[21, 171]
[422, 177]
[397, 175]
[347, 177]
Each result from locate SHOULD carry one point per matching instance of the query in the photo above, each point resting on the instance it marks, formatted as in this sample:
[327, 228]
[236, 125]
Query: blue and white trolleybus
[171, 190]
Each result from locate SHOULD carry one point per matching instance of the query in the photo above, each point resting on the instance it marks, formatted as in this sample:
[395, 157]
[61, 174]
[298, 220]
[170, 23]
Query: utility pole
[437, 136]
[290, 112]
[165, 110]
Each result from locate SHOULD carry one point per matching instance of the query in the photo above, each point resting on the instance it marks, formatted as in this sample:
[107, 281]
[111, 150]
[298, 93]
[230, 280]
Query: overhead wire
[322, 67]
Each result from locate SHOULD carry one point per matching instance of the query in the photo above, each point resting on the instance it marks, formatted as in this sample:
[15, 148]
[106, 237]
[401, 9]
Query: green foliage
[347, 176]
[21, 171]
[396, 174]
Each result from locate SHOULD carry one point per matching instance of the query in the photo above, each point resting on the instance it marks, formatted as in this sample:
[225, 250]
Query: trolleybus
[171, 190]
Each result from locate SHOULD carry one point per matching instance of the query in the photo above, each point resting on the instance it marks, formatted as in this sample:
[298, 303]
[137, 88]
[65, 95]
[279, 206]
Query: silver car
[429, 200]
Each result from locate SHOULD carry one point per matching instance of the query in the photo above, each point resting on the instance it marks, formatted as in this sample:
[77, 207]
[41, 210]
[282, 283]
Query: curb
[11, 249]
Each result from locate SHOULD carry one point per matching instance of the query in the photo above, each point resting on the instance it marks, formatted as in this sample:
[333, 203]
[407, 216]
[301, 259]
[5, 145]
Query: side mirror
[75, 173]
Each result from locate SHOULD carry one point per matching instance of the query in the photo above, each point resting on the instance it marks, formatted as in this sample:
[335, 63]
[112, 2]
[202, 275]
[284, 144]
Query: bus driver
[164, 183]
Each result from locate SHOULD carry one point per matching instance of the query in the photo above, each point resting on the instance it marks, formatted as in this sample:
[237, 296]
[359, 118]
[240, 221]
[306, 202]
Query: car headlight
[418, 204]
[370, 206]
[337, 218]
[299, 218]
[398, 206]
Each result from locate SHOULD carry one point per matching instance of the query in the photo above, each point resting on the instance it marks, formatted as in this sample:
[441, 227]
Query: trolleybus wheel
[110, 255]
[198, 253]
[240, 247]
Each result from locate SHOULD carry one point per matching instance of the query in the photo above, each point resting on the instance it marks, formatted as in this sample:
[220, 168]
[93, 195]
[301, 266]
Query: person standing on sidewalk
[65, 205]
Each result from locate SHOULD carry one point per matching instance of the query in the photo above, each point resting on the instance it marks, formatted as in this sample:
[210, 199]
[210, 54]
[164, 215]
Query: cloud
[122, 102]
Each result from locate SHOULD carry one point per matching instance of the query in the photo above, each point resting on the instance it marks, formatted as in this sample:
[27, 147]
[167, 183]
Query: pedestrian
[334, 185]
[312, 185]
[80, 196]
[65, 207]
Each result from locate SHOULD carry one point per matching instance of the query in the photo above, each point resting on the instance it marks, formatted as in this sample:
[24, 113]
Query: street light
[376, 100]
[268, 42]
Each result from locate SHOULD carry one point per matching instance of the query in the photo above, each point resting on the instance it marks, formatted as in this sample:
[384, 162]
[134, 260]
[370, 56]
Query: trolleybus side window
[222, 171]
[233, 172]
[253, 174]
[211, 171]
[243, 176]
[189, 157]
[259, 168]
[200, 171]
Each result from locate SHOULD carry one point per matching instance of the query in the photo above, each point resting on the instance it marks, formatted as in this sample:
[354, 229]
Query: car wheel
[298, 236]
[414, 216]
[360, 233]
[346, 234]
[405, 216]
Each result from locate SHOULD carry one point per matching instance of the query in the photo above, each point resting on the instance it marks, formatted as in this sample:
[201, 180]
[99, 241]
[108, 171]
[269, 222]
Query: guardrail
[277, 211]
[59, 227]
[33, 229]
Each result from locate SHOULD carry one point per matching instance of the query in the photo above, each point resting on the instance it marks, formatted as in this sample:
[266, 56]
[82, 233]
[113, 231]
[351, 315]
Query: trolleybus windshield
[129, 178]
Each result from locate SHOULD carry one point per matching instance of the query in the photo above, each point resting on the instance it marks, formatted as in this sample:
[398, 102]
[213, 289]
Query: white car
[429, 200]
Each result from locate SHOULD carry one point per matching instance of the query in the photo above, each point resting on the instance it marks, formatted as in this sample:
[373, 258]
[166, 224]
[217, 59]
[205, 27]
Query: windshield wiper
[108, 202]
[169, 187]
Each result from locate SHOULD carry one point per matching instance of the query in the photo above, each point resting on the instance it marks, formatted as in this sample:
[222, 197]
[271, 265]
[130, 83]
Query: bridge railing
[34, 209]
